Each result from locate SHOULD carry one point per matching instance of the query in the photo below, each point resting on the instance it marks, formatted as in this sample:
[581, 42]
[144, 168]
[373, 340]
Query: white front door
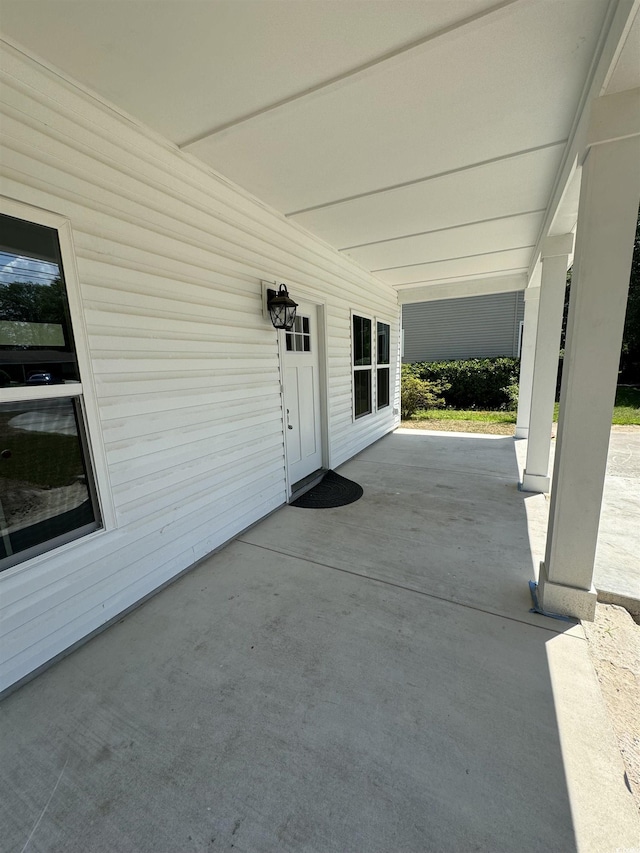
[303, 425]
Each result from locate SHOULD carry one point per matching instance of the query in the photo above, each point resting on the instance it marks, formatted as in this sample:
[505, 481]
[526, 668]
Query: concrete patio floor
[617, 569]
[363, 679]
[617, 564]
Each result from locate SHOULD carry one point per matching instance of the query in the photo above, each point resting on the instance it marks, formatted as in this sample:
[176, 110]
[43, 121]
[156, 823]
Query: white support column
[527, 354]
[609, 199]
[555, 260]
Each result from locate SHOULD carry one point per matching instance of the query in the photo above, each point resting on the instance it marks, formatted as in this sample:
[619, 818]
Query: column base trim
[566, 600]
[522, 432]
[535, 483]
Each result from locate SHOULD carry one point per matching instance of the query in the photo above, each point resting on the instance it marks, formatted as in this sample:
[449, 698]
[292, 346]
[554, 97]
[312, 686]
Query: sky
[20, 268]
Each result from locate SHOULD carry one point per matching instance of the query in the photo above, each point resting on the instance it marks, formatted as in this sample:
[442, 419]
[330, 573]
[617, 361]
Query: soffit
[421, 137]
[186, 67]
[626, 74]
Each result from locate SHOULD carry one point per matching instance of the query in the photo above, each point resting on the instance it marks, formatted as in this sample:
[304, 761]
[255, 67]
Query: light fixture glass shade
[282, 309]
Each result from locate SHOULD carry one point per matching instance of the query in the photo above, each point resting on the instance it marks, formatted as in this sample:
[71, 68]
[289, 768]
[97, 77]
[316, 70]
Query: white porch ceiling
[423, 138]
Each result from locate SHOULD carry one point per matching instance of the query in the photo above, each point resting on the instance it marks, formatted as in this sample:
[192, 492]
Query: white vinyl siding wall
[184, 369]
[468, 327]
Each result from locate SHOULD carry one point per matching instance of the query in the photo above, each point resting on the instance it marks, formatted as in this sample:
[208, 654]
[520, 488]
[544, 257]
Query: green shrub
[419, 394]
[511, 392]
[476, 383]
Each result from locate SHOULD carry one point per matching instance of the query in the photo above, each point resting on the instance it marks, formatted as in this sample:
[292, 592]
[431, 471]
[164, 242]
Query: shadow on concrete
[361, 679]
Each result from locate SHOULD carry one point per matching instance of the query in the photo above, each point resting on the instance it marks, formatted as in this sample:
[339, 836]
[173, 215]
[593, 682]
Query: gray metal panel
[472, 327]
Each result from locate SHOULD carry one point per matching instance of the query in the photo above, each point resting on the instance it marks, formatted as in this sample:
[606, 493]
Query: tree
[630, 355]
[24, 301]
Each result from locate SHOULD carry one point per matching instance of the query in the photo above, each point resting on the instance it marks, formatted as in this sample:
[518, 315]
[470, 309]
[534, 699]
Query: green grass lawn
[626, 411]
[459, 415]
[627, 408]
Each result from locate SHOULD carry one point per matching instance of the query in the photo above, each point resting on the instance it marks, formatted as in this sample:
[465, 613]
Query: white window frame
[84, 391]
[360, 367]
[383, 364]
[373, 366]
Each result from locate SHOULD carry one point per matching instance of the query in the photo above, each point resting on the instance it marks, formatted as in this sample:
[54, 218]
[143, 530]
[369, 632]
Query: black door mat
[333, 490]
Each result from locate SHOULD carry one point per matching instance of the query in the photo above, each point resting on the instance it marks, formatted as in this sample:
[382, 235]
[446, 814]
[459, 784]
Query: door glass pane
[44, 485]
[289, 342]
[36, 343]
[362, 392]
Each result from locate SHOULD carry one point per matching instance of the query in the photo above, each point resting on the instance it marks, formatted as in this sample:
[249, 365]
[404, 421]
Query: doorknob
[288, 424]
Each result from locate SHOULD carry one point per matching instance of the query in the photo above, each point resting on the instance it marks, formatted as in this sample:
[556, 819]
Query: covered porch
[442, 149]
[362, 678]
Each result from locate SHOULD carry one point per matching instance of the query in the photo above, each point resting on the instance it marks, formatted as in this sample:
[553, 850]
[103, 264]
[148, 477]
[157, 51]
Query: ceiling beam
[513, 155]
[468, 287]
[452, 258]
[355, 73]
[457, 226]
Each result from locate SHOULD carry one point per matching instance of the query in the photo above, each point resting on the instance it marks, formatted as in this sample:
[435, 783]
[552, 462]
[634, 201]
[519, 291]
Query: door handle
[288, 424]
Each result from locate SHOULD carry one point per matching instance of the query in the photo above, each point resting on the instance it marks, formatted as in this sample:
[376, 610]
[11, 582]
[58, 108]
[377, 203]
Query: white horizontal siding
[184, 369]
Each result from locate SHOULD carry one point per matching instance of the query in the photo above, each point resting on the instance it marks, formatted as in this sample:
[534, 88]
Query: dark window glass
[383, 387]
[384, 340]
[299, 340]
[361, 341]
[36, 343]
[45, 490]
[362, 392]
[47, 496]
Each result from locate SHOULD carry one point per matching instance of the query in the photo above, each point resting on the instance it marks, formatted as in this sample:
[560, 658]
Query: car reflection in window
[40, 379]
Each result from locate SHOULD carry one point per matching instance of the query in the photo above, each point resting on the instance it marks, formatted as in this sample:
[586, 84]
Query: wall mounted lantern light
[282, 309]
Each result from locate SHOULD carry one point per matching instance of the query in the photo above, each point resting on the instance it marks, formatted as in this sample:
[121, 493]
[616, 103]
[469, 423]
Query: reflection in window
[383, 387]
[47, 496]
[36, 343]
[384, 342]
[45, 492]
[361, 341]
[362, 392]
[384, 338]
